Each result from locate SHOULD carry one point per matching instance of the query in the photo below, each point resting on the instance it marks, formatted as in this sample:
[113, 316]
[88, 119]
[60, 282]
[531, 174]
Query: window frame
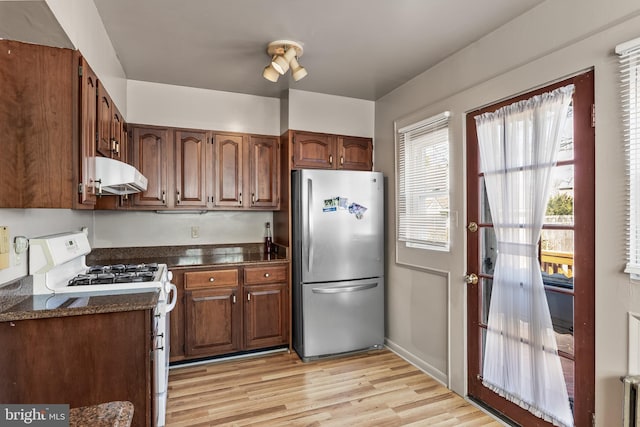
[629, 70]
[430, 125]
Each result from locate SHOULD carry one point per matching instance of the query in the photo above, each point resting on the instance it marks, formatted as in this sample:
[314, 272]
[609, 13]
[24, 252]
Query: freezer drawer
[342, 316]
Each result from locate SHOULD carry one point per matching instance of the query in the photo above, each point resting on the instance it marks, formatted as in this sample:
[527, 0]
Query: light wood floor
[370, 389]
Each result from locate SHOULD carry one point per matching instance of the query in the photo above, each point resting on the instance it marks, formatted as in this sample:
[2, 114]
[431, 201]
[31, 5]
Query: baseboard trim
[425, 367]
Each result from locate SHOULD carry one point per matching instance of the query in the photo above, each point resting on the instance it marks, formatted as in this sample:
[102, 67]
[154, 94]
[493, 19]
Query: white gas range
[61, 277]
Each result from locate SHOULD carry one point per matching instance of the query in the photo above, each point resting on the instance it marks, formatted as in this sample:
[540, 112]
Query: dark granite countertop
[110, 414]
[18, 303]
[188, 256]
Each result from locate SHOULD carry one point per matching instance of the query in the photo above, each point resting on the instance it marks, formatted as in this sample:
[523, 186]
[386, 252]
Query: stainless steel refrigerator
[338, 261]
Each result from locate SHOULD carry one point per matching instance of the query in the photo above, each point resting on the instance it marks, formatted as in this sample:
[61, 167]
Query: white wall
[133, 229]
[37, 222]
[318, 112]
[180, 106]
[553, 40]
[84, 27]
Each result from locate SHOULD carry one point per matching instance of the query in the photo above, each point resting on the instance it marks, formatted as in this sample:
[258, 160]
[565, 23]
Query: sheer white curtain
[518, 149]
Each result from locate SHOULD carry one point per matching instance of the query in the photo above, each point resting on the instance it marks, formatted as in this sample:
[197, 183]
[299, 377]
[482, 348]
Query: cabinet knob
[266, 274]
[211, 279]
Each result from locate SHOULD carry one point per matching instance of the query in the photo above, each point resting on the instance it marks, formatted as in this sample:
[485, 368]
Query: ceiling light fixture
[284, 55]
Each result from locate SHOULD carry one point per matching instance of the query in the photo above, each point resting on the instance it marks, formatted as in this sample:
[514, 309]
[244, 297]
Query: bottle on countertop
[267, 238]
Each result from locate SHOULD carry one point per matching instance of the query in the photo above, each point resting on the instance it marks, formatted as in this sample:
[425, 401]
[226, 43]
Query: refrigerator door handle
[309, 224]
[344, 289]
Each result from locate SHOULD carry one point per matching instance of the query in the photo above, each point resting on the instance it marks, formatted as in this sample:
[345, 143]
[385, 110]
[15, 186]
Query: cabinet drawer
[207, 279]
[258, 275]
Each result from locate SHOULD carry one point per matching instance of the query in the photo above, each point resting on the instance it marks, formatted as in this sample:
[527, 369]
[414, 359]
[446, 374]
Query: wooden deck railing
[557, 262]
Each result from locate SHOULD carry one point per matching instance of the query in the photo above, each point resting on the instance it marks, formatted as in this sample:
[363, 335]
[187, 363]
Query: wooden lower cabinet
[228, 310]
[265, 320]
[79, 360]
[212, 321]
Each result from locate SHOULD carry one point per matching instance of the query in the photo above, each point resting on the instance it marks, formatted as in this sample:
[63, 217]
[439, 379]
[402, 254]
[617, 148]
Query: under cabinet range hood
[116, 177]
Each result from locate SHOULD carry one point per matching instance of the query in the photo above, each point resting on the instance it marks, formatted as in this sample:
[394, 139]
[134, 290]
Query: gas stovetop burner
[123, 268]
[118, 273]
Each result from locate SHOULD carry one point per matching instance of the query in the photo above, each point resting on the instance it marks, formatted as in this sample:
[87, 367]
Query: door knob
[471, 279]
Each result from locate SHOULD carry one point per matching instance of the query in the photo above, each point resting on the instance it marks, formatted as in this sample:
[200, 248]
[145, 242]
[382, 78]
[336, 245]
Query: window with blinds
[630, 96]
[422, 205]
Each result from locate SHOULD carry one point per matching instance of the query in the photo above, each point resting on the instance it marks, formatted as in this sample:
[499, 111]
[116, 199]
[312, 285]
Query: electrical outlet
[195, 232]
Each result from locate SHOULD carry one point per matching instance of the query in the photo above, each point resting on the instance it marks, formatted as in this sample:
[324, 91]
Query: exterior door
[566, 253]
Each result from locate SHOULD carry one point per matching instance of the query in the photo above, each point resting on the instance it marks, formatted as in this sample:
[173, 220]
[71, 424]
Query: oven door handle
[174, 299]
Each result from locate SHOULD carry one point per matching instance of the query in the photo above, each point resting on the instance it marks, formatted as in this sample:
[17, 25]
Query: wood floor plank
[377, 388]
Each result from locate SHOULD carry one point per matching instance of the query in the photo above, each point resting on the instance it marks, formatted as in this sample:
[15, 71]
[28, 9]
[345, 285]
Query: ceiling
[355, 48]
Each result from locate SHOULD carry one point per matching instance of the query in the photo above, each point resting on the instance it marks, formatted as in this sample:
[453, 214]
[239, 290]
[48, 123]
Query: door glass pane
[566, 138]
[485, 213]
[488, 250]
[568, 368]
[562, 320]
[486, 288]
[556, 258]
[483, 343]
[560, 205]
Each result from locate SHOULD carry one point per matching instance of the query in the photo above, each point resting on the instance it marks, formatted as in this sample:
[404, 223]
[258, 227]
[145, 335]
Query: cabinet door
[88, 110]
[265, 315]
[150, 157]
[264, 171]
[213, 321]
[355, 153]
[118, 147]
[229, 155]
[190, 169]
[104, 126]
[37, 163]
[313, 150]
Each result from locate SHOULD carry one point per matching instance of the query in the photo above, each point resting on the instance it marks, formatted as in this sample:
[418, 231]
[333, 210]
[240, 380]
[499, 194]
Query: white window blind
[630, 95]
[422, 203]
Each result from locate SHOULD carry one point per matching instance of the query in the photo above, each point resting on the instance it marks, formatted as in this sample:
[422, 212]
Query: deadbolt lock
[471, 279]
[472, 227]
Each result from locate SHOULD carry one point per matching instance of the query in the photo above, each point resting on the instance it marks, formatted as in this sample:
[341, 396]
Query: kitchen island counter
[18, 303]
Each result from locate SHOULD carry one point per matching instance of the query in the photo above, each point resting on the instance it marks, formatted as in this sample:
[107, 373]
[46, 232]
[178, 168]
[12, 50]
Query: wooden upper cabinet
[355, 153]
[229, 155]
[104, 124]
[325, 151]
[313, 150]
[87, 120]
[190, 162]
[264, 183]
[38, 163]
[118, 136]
[150, 158]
